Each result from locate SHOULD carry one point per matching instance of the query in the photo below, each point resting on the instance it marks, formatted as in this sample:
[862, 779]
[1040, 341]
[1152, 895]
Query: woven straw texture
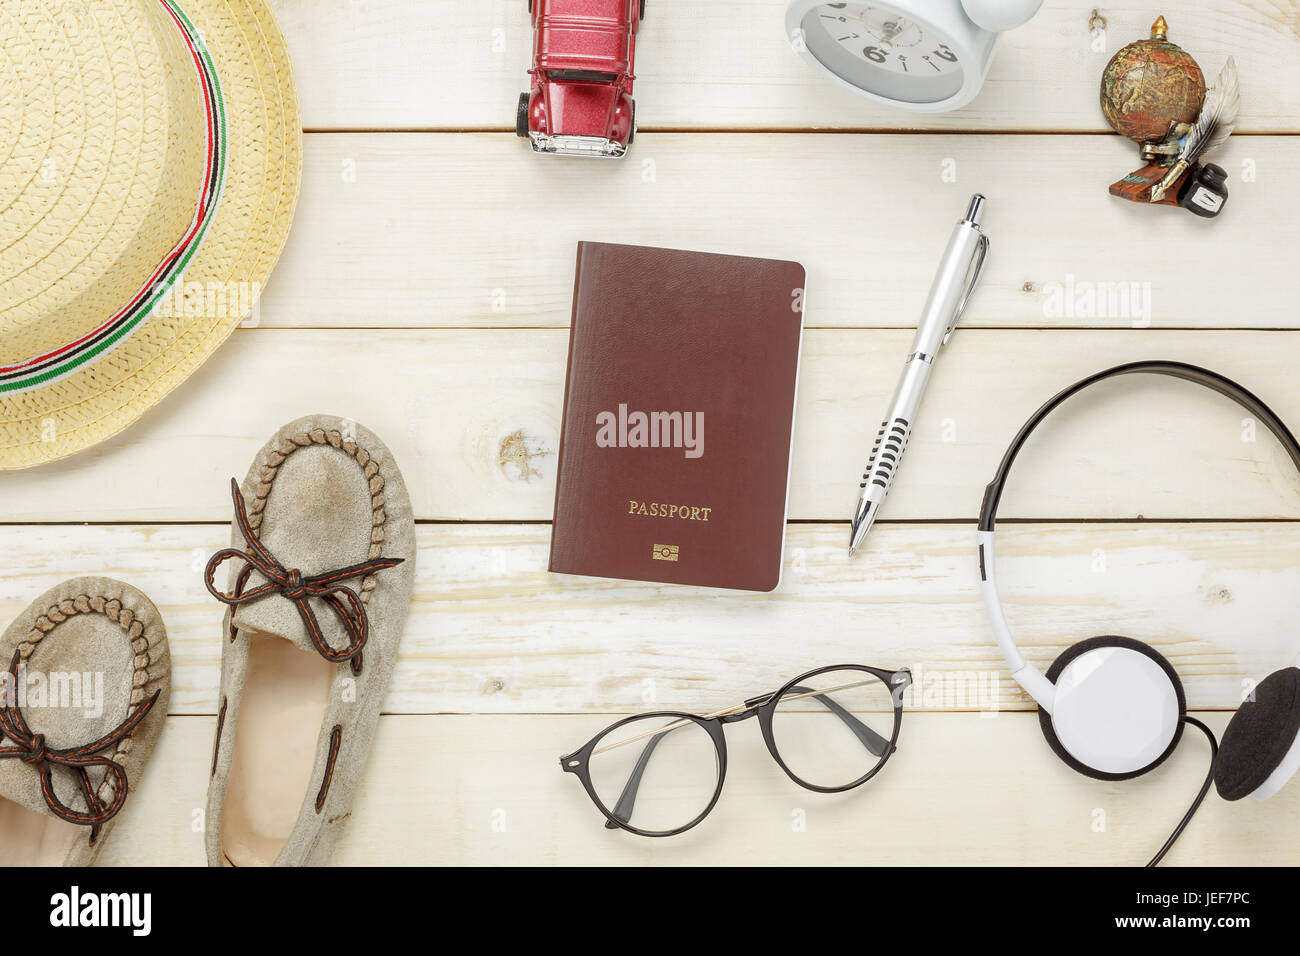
[120, 153]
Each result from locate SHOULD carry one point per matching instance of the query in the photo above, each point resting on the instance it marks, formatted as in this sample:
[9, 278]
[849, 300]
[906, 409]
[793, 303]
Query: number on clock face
[885, 38]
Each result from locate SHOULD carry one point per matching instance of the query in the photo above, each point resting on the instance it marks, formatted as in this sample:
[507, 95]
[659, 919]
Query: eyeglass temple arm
[627, 799]
[876, 744]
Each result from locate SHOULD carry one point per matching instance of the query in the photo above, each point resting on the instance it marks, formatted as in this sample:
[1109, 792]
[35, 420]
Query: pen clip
[973, 278]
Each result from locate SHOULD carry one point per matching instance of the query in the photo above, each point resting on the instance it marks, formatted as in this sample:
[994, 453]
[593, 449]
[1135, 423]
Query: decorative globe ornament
[1150, 87]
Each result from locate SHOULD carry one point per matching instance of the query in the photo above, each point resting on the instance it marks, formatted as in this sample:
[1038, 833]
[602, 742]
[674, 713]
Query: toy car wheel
[631, 134]
[521, 116]
[642, 8]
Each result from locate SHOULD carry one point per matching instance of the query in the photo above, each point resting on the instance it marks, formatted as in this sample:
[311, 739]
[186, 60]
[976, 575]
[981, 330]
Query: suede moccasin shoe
[321, 568]
[82, 703]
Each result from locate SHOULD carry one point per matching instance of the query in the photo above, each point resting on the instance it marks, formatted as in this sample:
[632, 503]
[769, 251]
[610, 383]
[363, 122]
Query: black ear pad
[1069, 654]
[1261, 733]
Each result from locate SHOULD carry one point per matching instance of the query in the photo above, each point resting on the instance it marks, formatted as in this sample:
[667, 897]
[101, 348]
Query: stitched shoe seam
[126, 618]
[369, 469]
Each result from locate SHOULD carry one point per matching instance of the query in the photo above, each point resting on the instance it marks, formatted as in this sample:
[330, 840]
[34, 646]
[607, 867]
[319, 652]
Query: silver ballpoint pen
[959, 271]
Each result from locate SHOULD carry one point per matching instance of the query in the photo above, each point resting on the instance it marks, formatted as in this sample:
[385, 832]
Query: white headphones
[1112, 707]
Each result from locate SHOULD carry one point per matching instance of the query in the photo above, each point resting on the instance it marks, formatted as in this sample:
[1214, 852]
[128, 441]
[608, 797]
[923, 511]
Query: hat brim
[242, 245]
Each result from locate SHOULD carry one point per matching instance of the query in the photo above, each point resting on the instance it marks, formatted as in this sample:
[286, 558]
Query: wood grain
[490, 631]
[727, 64]
[961, 790]
[469, 230]
[473, 418]
[426, 290]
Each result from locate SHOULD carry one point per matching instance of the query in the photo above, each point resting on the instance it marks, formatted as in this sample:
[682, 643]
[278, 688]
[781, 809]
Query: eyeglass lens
[657, 774]
[834, 728]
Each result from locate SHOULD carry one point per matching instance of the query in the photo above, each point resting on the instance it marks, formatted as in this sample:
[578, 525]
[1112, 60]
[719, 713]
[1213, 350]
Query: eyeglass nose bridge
[745, 711]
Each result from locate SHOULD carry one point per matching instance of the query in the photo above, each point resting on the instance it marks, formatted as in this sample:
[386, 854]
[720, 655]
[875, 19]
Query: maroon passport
[678, 415]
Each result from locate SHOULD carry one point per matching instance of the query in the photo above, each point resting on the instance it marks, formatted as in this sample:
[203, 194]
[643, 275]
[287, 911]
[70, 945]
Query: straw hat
[150, 155]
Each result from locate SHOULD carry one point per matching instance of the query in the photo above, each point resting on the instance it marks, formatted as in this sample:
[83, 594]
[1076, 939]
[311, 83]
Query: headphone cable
[1200, 797]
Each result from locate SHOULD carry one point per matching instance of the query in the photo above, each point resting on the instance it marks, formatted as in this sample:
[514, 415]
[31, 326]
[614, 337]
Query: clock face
[880, 49]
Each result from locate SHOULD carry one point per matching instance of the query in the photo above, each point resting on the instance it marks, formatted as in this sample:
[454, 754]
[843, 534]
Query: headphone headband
[1026, 674]
[1191, 373]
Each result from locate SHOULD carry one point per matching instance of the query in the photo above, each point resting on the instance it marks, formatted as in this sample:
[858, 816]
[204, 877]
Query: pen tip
[852, 550]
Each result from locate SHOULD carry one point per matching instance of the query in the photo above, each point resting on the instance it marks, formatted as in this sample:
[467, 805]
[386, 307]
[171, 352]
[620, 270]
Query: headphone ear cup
[1260, 738]
[1118, 711]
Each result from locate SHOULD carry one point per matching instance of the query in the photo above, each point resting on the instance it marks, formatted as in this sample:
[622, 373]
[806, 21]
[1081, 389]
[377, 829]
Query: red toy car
[581, 100]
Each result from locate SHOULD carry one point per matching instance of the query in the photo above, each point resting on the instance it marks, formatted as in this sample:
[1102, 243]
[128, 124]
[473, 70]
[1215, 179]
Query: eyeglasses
[830, 730]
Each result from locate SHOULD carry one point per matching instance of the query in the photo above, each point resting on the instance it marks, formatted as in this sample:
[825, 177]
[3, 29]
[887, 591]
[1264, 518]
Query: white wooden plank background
[492, 632]
[425, 292]
[962, 789]
[726, 64]
[867, 214]
[473, 417]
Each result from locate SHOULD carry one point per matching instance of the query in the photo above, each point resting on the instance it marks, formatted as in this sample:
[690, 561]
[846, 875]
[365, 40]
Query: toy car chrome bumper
[569, 145]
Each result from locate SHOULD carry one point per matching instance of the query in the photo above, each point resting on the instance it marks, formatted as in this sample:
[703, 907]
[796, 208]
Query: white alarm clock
[926, 55]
